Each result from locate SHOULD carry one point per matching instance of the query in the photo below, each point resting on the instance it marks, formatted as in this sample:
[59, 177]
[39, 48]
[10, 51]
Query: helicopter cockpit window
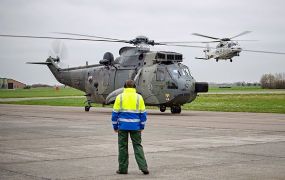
[232, 44]
[220, 45]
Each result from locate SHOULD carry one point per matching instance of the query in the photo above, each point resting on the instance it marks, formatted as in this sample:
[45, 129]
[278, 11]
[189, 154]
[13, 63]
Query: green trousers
[123, 150]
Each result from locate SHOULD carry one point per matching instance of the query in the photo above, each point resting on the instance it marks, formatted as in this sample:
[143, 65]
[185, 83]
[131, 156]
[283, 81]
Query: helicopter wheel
[175, 109]
[162, 108]
[231, 60]
[87, 108]
[178, 109]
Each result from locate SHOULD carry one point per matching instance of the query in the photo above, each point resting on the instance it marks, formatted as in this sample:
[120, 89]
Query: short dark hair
[129, 84]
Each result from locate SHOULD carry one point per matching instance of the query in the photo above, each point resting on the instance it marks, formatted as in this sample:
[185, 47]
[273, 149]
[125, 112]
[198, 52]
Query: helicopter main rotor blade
[246, 40]
[186, 42]
[182, 42]
[197, 34]
[85, 35]
[222, 39]
[60, 38]
[240, 34]
[268, 52]
[182, 45]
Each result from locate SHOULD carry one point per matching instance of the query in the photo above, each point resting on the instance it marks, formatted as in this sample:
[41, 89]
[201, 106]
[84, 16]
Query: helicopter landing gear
[217, 60]
[162, 108]
[87, 108]
[175, 109]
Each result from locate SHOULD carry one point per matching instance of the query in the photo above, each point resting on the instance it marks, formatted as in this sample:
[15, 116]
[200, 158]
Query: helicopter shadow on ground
[169, 114]
[152, 113]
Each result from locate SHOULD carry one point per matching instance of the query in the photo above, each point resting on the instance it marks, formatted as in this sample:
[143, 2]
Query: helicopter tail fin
[206, 51]
[50, 61]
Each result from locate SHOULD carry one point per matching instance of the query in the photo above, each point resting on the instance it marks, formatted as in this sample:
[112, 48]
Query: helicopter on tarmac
[160, 76]
[226, 48]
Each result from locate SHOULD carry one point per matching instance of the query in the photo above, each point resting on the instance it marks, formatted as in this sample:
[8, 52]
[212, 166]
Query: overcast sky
[160, 20]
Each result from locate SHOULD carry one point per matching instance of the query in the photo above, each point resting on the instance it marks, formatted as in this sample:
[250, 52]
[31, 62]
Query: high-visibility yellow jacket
[129, 111]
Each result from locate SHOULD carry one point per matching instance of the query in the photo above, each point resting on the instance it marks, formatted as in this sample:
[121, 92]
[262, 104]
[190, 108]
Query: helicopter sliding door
[160, 74]
[159, 79]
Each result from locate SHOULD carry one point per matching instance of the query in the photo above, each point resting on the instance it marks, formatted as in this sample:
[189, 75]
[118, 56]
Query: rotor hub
[141, 41]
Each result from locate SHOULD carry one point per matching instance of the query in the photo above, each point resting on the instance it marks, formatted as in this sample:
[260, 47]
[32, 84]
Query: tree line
[273, 81]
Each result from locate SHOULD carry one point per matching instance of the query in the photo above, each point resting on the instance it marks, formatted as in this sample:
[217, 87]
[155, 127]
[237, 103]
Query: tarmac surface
[44, 142]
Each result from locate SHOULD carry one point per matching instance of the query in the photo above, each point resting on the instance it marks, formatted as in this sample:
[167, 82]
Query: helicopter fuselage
[224, 50]
[227, 50]
[160, 78]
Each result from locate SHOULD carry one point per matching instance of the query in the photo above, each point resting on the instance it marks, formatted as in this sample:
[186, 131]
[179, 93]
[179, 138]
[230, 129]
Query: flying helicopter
[227, 48]
[160, 76]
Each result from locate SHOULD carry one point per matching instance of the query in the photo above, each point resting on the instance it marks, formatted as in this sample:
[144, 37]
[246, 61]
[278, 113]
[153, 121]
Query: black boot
[120, 172]
[145, 172]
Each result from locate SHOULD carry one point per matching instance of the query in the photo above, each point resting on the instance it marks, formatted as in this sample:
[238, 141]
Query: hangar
[6, 83]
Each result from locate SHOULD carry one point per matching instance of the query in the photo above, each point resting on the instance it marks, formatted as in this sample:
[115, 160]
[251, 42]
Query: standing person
[129, 117]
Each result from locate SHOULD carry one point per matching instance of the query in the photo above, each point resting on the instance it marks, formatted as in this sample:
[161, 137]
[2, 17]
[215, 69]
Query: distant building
[10, 84]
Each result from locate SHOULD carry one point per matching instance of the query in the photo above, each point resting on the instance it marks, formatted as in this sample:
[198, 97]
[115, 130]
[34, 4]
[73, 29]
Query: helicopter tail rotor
[58, 52]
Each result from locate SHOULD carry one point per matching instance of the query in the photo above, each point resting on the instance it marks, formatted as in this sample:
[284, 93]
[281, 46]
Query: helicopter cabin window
[141, 56]
[160, 74]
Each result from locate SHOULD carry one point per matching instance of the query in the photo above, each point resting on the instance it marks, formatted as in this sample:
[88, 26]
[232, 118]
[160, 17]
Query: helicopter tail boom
[49, 62]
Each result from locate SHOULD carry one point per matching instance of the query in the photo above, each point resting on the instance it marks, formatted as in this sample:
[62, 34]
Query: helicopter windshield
[184, 71]
[180, 71]
[232, 44]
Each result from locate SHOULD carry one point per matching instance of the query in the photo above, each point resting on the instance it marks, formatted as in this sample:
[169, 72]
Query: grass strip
[39, 92]
[259, 103]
